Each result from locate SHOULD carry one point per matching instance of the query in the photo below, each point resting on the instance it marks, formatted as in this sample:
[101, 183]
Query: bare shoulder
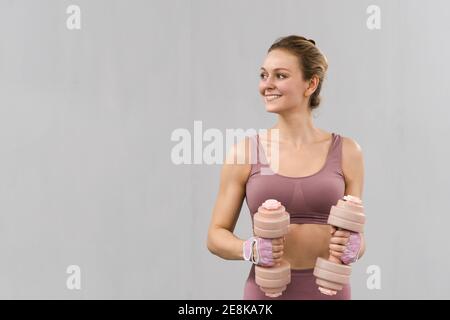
[352, 159]
[350, 145]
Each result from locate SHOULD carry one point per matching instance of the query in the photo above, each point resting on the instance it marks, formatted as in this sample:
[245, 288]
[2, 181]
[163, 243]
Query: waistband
[308, 271]
[308, 220]
[302, 271]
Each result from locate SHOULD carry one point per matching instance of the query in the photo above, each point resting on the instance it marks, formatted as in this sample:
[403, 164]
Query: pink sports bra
[307, 199]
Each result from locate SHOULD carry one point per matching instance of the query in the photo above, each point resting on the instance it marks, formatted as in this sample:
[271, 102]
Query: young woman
[316, 169]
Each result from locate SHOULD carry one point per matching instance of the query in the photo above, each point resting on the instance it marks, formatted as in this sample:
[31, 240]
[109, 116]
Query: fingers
[277, 258]
[277, 249]
[277, 255]
[278, 241]
[277, 245]
[341, 233]
[339, 240]
[333, 229]
[336, 254]
[336, 247]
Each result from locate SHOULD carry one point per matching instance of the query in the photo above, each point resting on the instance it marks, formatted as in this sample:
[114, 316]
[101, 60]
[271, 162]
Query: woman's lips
[272, 97]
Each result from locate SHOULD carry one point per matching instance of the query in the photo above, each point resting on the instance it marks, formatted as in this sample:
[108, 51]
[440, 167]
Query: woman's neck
[296, 129]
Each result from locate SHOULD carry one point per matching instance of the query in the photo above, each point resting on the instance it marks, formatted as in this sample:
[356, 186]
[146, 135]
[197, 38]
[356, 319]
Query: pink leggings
[302, 287]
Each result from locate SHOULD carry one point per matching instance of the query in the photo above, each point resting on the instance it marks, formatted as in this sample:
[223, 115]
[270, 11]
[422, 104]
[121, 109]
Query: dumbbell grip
[331, 257]
[254, 252]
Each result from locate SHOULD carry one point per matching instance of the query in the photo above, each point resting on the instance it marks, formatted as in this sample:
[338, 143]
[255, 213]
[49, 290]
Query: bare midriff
[304, 243]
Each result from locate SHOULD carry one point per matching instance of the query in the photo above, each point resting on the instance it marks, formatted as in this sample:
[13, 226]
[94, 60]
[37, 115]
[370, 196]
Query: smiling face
[281, 82]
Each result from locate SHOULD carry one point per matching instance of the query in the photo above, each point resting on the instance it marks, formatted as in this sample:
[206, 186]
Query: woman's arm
[353, 168]
[234, 175]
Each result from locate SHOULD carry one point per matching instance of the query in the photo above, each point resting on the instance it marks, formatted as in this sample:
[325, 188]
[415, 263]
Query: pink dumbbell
[331, 274]
[272, 221]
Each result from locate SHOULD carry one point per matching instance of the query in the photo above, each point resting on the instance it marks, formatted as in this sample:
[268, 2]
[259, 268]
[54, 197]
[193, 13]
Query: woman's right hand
[267, 252]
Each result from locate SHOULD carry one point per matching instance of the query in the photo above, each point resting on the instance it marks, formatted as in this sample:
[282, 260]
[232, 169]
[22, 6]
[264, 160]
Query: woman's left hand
[345, 245]
[338, 241]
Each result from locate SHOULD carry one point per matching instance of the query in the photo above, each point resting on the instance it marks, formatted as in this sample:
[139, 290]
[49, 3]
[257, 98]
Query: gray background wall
[86, 117]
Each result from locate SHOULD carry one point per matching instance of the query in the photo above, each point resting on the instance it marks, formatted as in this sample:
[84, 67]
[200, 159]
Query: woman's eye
[280, 76]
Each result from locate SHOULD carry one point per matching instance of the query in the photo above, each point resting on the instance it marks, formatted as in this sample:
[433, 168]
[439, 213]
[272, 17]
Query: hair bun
[312, 41]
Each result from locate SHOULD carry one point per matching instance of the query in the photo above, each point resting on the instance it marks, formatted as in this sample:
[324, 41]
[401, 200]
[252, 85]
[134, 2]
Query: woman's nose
[268, 84]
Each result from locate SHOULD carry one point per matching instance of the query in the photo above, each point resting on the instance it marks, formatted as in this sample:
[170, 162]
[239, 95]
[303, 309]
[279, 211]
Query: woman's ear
[312, 85]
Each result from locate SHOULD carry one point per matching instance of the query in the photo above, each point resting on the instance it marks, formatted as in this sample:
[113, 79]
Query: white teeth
[272, 97]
